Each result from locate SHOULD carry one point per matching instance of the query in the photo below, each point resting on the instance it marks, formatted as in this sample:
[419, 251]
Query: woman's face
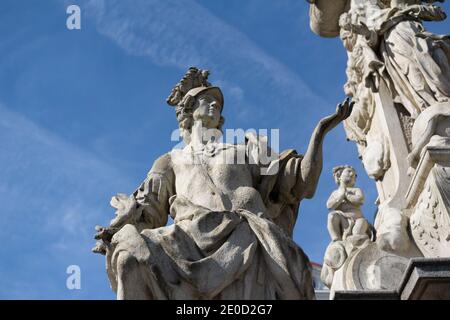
[207, 109]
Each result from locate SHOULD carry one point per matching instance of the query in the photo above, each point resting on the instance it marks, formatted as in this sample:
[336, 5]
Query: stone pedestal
[365, 295]
[402, 131]
[424, 279]
[369, 269]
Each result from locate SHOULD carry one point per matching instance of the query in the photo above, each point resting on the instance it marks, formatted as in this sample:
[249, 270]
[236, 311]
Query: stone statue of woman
[417, 62]
[232, 231]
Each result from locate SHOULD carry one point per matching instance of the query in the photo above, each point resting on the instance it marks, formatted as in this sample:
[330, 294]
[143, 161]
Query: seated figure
[233, 220]
[349, 230]
[346, 218]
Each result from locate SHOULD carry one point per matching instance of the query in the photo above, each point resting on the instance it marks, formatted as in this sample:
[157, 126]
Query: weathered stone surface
[429, 200]
[374, 269]
[369, 269]
[233, 212]
[324, 16]
[399, 78]
[348, 229]
[353, 261]
[423, 279]
[426, 279]
[365, 295]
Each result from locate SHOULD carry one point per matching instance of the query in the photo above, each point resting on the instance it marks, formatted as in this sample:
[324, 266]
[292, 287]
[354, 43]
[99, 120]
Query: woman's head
[203, 103]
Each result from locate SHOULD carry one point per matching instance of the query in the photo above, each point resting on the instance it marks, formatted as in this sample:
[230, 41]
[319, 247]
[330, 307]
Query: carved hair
[184, 104]
[337, 172]
[193, 78]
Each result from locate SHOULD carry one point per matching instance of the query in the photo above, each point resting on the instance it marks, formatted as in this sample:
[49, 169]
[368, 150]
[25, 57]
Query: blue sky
[83, 116]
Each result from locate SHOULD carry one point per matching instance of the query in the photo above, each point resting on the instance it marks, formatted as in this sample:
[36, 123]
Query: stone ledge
[366, 295]
[429, 158]
[424, 279]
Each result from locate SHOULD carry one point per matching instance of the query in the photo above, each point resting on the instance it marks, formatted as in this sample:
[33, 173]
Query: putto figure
[232, 231]
[350, 232]
[345, 218]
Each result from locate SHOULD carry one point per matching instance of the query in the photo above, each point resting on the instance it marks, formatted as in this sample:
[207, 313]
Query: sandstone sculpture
[345, 218]
[352, 260]
[233, 221]
[399, 78]
[346, 224]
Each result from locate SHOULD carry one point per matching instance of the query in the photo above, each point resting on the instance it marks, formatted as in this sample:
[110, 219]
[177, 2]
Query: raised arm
[311, 166]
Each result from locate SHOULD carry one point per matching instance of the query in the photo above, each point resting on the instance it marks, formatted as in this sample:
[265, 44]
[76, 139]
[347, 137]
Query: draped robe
[232, 231]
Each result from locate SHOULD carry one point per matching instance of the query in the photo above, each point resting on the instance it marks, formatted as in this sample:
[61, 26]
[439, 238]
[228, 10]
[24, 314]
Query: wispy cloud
[178, 34]
[52, 195]
[53, 192]
[51, 165]
[257, 86]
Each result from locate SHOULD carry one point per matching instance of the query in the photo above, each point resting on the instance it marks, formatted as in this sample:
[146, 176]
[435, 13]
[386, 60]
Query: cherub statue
[348, 228]
[346, 218]
[232, 231]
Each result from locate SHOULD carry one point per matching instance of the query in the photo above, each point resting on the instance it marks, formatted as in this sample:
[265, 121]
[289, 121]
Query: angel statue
[417, 62]
[349, 230]
[345, 218]
[233, 221]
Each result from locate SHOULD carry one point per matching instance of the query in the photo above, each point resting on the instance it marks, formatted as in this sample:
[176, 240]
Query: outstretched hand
[343, 111]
